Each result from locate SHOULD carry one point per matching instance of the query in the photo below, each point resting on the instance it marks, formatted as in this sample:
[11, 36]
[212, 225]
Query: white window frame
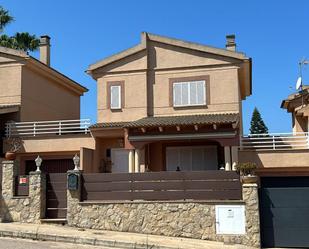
[111, 97]
[189, 99]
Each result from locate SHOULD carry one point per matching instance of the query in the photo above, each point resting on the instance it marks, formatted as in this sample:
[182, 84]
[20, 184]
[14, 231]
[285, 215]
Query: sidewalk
[105, 238]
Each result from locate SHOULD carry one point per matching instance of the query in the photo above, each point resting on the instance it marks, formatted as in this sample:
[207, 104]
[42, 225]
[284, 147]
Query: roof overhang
[145, 37]
[4, 109]
[194, 136]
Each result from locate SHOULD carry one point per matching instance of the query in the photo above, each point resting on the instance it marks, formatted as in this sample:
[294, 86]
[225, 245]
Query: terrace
[47, 128]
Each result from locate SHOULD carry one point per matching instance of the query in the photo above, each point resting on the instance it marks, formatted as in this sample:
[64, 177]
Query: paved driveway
[8, 243]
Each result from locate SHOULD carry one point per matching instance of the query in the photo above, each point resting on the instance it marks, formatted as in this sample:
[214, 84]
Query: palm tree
[21, 41]
[5, 18]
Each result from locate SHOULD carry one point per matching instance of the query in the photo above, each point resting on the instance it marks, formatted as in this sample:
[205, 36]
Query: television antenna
[299, 82]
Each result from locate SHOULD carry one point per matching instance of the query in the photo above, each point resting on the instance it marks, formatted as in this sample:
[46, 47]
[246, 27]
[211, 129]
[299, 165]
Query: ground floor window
[189, 158]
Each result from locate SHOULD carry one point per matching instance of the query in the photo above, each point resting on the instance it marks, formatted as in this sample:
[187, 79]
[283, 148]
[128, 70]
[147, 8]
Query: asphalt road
[8, 243]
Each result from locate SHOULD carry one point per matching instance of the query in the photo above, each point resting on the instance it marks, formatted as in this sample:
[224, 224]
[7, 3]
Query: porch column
[131, 161]
[142, 163]
[234, 156]
[227, 157]
[136, 160]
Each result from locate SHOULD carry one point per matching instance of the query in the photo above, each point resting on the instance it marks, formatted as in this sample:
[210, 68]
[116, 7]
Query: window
[190, 93]
[115, 97]
[192, 158]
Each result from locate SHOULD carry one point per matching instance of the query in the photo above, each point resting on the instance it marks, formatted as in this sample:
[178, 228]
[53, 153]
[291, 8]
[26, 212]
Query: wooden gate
[56, 196]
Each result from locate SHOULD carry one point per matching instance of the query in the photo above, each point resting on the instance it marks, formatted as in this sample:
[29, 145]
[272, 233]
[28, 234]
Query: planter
[10, 155]
[249, 179]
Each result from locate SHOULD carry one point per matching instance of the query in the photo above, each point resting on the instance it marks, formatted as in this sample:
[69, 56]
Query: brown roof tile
[200, 119]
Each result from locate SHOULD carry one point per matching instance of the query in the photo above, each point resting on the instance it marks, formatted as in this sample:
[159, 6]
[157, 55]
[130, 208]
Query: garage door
[284, 209]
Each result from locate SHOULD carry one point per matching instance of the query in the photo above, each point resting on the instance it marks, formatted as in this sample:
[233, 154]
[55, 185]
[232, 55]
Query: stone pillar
[37, 194]
[131, 161]
[227, 157]
[234, 152]
[251, 198]
[73, 198]
[136, 160]
[28, 209]
[9, 171]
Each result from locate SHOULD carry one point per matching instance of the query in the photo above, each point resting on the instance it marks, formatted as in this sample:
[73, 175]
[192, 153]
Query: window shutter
[177, 94]
[185, 93]
[201, 92]
[115, 97]
[193, 93]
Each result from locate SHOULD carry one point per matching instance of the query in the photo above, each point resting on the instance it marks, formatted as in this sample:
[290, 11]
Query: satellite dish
[298, 83]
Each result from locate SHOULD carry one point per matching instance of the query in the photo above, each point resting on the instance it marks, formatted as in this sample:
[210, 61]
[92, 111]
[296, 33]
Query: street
[8, 243]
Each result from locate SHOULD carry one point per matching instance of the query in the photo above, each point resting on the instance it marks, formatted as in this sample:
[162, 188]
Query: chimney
[230, 43]
[45, 49]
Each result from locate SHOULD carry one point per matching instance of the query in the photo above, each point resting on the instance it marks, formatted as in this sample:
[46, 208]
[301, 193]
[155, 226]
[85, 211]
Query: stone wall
[179, 219]
[194, 219]
[28, 209]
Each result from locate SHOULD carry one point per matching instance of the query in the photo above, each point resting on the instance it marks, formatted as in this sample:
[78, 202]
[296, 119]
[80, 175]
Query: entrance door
[189, 158]
[284, 211]
[56, 185]
[56, 196]
[120, 160]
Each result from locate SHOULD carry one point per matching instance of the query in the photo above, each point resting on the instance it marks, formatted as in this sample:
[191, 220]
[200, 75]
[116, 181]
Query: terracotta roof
[110, 125]
[200, 119]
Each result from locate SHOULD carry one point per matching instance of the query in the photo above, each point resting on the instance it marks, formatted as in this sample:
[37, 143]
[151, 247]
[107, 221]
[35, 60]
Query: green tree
[21, 41]
[257, 124]
[5, 18]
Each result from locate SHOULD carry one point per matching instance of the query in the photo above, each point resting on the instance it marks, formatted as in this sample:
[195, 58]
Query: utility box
[230, 219]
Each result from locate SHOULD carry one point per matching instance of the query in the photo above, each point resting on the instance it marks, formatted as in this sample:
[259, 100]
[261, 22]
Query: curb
[80, 240]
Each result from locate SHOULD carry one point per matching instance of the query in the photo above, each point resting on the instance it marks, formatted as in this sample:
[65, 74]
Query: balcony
[47, 128]
[275, 141]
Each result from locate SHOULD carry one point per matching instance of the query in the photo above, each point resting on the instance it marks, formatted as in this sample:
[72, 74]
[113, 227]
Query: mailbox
[73, 181]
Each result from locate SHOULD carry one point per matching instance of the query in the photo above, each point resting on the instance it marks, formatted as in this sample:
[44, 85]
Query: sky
[273, 33]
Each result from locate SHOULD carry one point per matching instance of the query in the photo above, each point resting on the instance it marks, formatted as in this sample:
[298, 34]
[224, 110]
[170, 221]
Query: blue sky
[274, 33]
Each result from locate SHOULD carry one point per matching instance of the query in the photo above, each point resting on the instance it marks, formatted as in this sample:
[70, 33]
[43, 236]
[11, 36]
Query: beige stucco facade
[33, 91]
[40, 92]
[146, 75]
[277, 158]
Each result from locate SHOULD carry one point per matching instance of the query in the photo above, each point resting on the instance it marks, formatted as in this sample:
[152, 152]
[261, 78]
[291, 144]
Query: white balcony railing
[275, 141]
[45, 128]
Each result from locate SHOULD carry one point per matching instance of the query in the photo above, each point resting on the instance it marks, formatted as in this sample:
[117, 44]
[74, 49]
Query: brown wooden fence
[198, 185]
[22, 185]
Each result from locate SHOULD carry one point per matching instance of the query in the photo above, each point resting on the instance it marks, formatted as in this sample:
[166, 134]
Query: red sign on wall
[23, 180]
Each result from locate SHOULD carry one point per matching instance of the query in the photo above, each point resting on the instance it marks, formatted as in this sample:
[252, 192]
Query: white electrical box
[230, 219]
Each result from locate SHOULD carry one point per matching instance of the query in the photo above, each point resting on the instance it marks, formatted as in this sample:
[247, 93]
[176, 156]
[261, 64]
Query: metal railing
[44, 128]
[275, 141]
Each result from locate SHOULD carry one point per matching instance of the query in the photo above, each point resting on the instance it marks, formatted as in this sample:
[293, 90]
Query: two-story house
[168, 104]
[39, 101]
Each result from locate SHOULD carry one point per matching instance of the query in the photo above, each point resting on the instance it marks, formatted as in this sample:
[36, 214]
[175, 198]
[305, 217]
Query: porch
[175, 143]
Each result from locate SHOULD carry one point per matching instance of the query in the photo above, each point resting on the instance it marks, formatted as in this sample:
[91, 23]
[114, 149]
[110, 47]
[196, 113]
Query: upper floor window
[115, 97]
[189, 93]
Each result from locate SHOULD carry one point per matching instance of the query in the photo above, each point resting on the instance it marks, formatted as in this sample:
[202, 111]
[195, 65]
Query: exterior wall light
[38, 162]
[76, 160]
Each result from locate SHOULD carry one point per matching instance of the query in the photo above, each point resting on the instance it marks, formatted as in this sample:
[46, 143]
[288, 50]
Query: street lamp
[38, 162]
[76, 160]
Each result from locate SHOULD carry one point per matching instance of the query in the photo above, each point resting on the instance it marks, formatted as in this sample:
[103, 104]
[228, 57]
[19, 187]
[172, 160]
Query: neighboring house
[168, 104]
[32, 92]
[283, 167]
